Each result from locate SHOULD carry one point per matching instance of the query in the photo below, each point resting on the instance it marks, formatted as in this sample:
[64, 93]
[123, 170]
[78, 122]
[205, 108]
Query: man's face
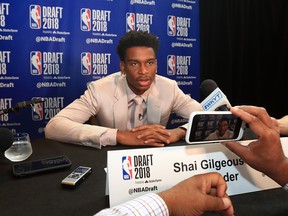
[140, 67]
[222, 127]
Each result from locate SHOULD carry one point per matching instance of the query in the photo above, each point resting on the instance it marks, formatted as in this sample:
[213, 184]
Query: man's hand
[150, 135]
[158, 133]
[198, 194]
[133, 138]
[264, 154]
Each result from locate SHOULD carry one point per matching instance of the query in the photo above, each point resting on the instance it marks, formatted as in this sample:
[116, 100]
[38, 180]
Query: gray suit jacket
[106, 99]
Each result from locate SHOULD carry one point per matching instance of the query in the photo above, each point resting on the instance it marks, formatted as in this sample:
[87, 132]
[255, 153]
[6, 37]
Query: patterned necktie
[138, 115]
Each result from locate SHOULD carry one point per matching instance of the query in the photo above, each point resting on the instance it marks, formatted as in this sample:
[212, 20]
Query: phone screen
[214, 127]
[81, 169]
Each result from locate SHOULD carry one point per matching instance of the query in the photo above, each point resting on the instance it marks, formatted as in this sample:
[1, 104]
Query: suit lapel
[153, 110]
[153, 106]
[120, 109]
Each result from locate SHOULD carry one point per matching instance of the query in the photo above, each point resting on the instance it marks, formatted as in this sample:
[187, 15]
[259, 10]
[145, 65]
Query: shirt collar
[131, 95]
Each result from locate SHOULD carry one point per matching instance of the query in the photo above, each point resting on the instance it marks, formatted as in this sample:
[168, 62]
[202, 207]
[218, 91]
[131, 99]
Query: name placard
[133, 172]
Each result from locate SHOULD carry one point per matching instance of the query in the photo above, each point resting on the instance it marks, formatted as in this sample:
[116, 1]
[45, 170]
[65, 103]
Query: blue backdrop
[52, 49]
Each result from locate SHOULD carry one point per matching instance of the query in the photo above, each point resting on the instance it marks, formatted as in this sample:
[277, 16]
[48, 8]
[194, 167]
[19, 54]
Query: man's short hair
[137, 38]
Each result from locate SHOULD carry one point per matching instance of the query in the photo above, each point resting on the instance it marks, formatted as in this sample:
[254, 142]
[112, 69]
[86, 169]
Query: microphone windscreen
[6, 139]
[207, 87]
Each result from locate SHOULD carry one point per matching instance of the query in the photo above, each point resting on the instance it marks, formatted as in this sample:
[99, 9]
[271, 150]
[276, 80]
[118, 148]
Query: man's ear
[122, 67]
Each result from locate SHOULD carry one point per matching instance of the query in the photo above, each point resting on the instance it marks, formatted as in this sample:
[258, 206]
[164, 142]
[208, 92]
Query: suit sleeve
[184, 104]
[68, 125]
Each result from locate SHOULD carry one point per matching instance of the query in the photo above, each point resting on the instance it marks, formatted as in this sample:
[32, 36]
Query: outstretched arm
[192, 197]
[264, 154]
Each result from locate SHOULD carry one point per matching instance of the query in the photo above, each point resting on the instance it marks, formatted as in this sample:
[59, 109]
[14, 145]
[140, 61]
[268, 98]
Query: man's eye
[134, 64]
[151, 62]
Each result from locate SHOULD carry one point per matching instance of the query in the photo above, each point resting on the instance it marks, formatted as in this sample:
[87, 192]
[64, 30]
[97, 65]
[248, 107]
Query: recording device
[215, 98]
[39, 166]
[77, 176]
[23, 104]
[6, 139]
[204, 127]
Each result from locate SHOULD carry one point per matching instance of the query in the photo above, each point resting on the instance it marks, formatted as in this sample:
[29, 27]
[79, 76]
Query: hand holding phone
[213, 126]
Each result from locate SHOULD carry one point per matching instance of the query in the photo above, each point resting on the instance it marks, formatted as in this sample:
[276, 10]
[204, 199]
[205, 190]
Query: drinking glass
[20, 149]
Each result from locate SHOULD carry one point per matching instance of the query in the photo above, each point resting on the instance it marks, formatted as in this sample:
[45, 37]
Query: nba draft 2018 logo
[171, 25]
[178, 26]
[137, 167]
[178, 65]
[35, 16]
[37, 111]
[171, 64]
[45, 17]
[127, 167]
[85, 22]
[35, 63]
[86, 67]
[138, 22]
[94, 20]
[130, 22]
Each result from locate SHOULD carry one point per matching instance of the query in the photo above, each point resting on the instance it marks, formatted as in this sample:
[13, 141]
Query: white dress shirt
[147, 204]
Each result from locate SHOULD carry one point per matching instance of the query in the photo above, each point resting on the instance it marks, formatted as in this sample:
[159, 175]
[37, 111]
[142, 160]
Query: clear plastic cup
[20, 149]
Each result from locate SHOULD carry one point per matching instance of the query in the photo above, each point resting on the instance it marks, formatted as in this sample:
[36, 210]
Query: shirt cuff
[108, 137]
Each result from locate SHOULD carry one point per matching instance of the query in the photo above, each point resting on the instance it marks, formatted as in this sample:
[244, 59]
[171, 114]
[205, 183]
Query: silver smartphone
[213, 126]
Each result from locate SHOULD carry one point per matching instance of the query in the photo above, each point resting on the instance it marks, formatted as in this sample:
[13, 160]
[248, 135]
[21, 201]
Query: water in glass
[21, 148]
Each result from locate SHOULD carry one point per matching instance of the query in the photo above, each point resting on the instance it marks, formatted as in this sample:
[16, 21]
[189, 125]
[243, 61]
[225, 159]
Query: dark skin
[264, 154]
[140, 67]
[222, 127]
[197, 195]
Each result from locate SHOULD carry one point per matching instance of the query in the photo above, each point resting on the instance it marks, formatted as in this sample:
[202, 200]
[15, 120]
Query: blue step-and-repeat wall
[51, 49]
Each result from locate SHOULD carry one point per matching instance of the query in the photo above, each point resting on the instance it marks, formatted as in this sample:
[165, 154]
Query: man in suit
[222, 132]
[111, 101]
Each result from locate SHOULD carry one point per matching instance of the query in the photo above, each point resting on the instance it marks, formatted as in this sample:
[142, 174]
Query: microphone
[6, 139]
[215, 99]
[23, 104]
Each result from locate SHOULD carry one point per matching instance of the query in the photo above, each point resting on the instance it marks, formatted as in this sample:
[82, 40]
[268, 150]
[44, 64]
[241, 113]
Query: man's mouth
[143, 81]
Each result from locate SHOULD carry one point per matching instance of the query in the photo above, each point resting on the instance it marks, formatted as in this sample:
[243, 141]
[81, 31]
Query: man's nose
[143, 68]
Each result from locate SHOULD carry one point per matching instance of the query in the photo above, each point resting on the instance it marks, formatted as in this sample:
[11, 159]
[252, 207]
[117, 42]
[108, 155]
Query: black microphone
[6, 139]
[215, 98]
[23, 104]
